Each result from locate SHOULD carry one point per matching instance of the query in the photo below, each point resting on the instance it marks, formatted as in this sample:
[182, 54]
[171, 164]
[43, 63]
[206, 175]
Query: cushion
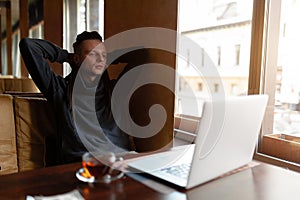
[28, 85]
[8, 152]
[13, 84]
[2, 85]
[35, 122]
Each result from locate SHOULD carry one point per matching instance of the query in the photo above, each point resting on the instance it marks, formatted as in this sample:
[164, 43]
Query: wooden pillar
[24, 29]
[9, 37]
[121, 16]
[53, 27]
[0, 44]
[256, 52]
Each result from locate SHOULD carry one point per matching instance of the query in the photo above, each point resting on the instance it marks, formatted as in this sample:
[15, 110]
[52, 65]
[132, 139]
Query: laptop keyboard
[181, 170]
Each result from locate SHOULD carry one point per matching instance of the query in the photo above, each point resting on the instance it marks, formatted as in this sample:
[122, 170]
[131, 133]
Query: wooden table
[263, 182]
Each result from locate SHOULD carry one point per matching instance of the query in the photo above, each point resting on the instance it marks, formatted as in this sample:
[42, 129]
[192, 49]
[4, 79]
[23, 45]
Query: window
[37, 31]
[268, 43]
[237, 54]
[202, 57]
[35, 22]
[281, 128]
[216, 87]
[219, 56]
[220, 25]
[81, 15]
[188, 58]
[200, 86]
[225, 10]
[234, 89]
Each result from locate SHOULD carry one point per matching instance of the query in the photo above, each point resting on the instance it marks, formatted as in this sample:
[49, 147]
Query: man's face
[92, 57]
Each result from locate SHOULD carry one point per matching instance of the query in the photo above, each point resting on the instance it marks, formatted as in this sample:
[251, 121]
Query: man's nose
[100, 58]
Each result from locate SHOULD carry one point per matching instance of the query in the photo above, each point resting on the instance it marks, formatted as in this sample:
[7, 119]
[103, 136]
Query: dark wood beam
[53, 26]
[24, 29]
[9, 38]
[256, 51]
[4, 4]
[0, 44]
[122, 16]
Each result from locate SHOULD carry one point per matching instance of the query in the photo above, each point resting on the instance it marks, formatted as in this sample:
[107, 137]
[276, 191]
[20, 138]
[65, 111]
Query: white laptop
[226, 140]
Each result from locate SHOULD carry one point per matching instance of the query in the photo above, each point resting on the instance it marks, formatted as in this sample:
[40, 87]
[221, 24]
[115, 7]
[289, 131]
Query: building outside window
[237, 54]
[200, 86]
[219, 27]
[202, 57]
[216, 88]
[228, 24]
[219, 53]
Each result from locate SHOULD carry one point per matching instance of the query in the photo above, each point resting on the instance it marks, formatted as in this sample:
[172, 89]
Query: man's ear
[76, 60]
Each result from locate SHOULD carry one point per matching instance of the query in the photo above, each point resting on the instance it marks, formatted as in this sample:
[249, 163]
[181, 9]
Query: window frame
[262, 79]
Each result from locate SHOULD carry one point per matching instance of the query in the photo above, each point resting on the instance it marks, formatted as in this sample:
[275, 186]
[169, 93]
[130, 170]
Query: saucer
[105, 179]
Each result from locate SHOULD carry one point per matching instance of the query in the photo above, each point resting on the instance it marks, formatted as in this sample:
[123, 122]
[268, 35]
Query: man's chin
[98, 72]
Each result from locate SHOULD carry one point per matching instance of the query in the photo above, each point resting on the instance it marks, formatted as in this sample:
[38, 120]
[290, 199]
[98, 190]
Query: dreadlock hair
[85, 35]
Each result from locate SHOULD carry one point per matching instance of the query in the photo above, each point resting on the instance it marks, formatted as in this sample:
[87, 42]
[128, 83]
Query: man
[78, 110]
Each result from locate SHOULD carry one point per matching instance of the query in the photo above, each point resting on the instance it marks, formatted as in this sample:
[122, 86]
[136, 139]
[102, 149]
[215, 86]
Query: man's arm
[35, 53]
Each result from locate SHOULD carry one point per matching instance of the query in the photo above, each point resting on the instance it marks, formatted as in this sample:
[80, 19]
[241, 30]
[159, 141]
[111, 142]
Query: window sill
[276, 161]
[282, 146]
[280, 149]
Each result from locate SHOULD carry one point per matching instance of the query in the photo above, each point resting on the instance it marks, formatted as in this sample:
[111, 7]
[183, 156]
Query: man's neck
[90, 81]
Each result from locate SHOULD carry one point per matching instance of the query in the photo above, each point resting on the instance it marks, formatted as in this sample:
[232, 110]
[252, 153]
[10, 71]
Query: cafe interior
[191, 52]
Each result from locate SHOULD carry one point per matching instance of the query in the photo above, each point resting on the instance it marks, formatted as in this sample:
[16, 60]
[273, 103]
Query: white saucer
[105, 179]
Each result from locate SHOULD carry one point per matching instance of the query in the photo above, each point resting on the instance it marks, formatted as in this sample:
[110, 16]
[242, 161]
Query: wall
[129, 16]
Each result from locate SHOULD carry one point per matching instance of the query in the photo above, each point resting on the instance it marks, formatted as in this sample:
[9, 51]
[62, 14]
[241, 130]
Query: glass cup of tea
[99, 167]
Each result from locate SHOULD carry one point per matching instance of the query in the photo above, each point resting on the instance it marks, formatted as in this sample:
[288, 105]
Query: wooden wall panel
[53, 26]
[256, 54]
[126, 15]
[0, 43]
[24, 29]
[9, 38]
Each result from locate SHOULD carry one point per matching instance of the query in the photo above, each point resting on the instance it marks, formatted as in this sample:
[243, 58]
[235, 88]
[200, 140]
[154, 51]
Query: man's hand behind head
[72, 61]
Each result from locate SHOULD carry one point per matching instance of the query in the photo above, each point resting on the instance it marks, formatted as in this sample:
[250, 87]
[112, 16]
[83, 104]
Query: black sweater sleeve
[35, 53]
